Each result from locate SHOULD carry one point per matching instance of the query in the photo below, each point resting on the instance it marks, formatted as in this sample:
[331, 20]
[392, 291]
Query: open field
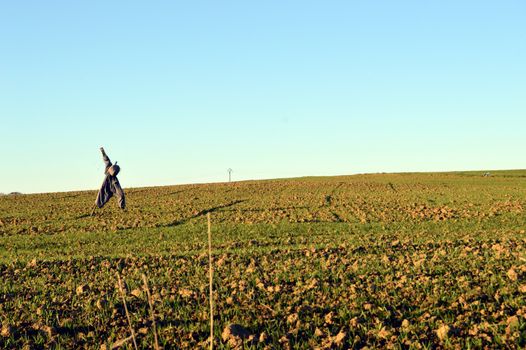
[383, 261]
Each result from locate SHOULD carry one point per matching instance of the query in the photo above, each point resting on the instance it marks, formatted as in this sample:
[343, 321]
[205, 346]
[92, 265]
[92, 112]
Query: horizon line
[12, 193]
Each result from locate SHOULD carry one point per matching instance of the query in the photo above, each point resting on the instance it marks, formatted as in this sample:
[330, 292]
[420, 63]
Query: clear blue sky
[178, 92]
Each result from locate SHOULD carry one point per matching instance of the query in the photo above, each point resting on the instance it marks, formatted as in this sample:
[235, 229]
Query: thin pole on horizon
[230, 174]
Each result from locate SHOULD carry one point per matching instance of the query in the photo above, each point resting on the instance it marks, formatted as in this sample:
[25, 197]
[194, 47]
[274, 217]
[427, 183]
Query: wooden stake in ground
[211, 290]
[150, 301]
[93, 210]
[126, 309]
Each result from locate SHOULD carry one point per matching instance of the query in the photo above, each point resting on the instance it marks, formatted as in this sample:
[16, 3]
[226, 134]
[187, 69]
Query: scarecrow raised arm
[105, 158]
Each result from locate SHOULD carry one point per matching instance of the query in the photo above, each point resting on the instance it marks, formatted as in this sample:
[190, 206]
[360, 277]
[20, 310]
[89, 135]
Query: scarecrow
[110, 186]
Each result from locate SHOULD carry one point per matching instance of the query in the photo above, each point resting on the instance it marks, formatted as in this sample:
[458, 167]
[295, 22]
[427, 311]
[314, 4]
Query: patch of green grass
[384, 261]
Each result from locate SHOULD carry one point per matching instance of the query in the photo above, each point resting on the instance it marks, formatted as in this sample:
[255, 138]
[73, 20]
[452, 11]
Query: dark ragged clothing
[110, 187]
